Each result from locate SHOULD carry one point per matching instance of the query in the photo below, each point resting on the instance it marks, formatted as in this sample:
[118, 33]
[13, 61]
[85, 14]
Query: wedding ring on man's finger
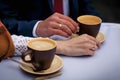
[60, 25]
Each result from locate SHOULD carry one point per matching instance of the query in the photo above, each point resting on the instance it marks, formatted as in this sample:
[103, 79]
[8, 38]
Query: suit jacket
[20, 16]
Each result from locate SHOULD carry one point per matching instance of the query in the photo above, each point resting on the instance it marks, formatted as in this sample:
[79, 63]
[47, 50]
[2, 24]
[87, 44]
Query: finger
[82, 52]
[90, 46]
[88, 52]
[68, 19]
[91, 42]
[94, 48]
[66, 29]
[86, 39]
[62, 27]
[59, 32]
[93, 39]
[68, 24]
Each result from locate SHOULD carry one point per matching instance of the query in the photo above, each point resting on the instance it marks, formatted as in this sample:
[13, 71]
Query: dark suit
[19, 16]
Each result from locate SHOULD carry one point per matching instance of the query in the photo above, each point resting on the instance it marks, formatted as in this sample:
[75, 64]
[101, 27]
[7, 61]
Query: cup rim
[34, 39]
[82, 16]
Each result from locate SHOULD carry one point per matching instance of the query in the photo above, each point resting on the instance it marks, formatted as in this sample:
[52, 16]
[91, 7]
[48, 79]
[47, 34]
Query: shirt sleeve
[20, 43]
[34, 29]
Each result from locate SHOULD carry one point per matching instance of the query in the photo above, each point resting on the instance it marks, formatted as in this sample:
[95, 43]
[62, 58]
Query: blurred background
[108, 9]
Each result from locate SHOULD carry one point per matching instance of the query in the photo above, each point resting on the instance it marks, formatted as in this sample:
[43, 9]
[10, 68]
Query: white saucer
[100, 37]
[56, 65]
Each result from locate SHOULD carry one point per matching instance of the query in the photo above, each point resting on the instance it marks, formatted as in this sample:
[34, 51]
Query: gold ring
[60, 25]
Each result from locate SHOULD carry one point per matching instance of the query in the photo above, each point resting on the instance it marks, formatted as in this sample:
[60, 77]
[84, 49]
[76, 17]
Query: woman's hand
[79, 46]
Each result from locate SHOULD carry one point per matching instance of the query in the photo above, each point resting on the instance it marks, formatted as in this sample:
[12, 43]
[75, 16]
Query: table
[104, 65]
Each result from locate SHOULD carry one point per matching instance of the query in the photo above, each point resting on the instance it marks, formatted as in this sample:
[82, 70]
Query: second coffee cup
[89, 24]
[41, 52]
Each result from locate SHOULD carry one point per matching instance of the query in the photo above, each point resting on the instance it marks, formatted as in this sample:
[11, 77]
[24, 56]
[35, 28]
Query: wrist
[39, 29]
[35, 29]
[60, 47]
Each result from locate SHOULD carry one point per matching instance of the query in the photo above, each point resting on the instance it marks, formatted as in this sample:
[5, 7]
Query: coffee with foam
[41, 44]
[89, 19]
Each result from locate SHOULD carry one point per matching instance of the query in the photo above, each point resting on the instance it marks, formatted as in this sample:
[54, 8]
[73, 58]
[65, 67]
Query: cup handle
[26, 56]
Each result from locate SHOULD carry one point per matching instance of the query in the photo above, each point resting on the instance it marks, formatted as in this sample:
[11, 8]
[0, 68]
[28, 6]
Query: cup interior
[42, 44]
[89, 19]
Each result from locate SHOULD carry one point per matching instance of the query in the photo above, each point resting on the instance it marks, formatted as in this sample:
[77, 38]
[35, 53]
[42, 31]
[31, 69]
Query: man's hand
[57, 24]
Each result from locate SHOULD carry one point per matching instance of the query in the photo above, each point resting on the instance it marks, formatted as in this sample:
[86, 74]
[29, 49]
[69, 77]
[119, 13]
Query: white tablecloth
[103, 65]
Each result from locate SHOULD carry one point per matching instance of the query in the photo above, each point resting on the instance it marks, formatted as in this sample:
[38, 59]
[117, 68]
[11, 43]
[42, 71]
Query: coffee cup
[89, 24]
[41, 52]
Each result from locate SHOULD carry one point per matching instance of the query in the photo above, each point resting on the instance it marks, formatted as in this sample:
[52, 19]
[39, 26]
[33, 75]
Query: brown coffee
[89, 24]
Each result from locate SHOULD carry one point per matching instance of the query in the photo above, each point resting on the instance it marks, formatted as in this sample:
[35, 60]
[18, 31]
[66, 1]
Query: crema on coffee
[41, 44]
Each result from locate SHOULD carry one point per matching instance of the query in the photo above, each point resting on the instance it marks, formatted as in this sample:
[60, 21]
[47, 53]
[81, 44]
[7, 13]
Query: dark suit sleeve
[81, 7]
[14, 23]
[90, 8]
[87, 7]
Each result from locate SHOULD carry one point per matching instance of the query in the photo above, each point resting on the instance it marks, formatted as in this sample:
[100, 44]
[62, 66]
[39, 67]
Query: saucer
[100, 37]
[56, 65]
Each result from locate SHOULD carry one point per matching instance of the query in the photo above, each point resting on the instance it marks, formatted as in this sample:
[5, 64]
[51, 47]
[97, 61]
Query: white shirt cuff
[34, 29]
